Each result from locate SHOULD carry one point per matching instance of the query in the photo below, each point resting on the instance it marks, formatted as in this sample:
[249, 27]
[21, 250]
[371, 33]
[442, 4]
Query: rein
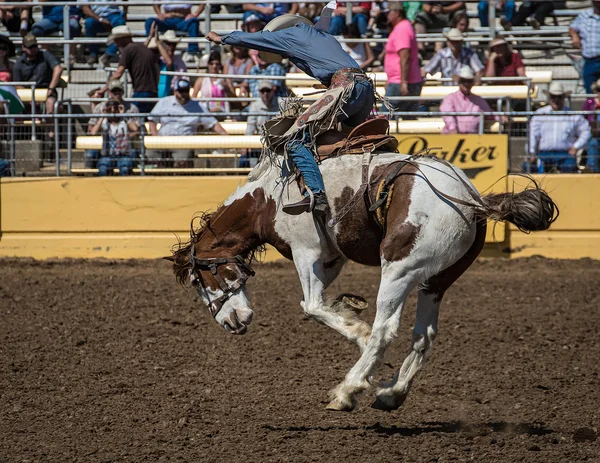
[242, 268]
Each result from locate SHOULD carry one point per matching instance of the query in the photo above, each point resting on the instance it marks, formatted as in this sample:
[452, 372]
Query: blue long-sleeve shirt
[315, 52]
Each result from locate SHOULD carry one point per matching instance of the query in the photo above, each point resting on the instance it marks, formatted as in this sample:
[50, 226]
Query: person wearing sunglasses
[39, 66]
[267, 104]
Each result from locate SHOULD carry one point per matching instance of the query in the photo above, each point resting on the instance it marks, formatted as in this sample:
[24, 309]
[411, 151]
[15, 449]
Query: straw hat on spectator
[454, 35]
[497, 41]
[596, 86]
[153, 44]
[265, 85]
[556, 89]
[118, 33]
[279, 23]
[465, 73]
[170, 37]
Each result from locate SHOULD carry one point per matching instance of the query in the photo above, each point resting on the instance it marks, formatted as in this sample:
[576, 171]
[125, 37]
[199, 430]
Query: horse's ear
[169, 258]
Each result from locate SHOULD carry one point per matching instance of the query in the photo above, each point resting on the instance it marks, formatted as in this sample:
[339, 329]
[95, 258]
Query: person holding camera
[116, 132]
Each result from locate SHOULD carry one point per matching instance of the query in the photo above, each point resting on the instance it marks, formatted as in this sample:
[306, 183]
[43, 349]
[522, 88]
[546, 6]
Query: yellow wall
[576, 233]
[138, 217]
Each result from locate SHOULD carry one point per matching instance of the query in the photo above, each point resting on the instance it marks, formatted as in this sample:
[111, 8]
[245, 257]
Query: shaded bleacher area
[547, 53]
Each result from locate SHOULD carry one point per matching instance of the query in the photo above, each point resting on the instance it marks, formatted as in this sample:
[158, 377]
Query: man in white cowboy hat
[350, 97]
[141, 63]
[451, 59]
[555, 141]
[464, 100]
[502, 62]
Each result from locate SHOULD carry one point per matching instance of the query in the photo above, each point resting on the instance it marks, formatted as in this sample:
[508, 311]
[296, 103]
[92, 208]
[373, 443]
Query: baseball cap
[252, 18]
[264, 85]
[29, 41]
[114, 84]
[182, 86]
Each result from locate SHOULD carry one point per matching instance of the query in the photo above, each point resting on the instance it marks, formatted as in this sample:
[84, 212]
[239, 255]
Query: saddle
[372, 135]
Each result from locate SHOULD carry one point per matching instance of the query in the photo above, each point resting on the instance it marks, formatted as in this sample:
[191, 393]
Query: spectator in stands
[166, 84]
[401, 62]
[117, 134]
[412, 10]
[267, 103]
[360, 17]
[593, 152]
[464, 100]
[4, 168]
[239, 64]
[451, 59]
[39, 66]
[502, 62]
[460, 21]
[436, 15]
[142, 65]
[554, 141]
[585, 33]
[180, 115]
[310, 11]
[178, 17]
[262, 68]
[503, 6]
[268, 11]
[252, 23]
[7, 50]
[115, 93]
[215, 87]
[16, 19]
[360, 52]
[532, 13]
[52, 21]
[99, 19]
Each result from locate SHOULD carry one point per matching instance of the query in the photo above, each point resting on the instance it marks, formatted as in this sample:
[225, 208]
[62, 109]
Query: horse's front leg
[315, 277]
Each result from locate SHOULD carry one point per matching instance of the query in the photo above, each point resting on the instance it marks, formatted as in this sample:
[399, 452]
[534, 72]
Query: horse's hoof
[337, 405]
[388, 403]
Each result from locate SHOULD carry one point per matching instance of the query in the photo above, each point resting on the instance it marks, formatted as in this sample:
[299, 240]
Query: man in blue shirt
[350, 97]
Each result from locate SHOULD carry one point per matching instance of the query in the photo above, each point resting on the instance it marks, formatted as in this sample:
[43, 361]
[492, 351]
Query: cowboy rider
[321, 56]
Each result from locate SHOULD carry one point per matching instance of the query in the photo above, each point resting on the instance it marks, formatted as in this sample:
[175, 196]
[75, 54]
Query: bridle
[242, 268]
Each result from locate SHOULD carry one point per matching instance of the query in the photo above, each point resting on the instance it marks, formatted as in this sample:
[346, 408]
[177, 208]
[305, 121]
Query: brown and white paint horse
[428, 242]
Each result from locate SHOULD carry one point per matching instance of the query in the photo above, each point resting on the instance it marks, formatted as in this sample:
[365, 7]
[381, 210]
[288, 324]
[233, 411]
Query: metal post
[69, 136]
[492, 17]
[207, 26]
[67, 36]
[348, 13]
[13, 159]
[143, 147]
[481, 123]
[33, 103]
[56, 141]
[528, 99]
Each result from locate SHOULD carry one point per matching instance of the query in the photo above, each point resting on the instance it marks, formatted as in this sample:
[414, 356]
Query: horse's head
[218, 277]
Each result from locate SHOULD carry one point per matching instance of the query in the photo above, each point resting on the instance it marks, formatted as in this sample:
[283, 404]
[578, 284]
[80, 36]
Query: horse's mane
[199, 226]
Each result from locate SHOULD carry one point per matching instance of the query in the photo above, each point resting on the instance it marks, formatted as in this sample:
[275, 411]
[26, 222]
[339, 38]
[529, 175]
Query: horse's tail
[529, 210]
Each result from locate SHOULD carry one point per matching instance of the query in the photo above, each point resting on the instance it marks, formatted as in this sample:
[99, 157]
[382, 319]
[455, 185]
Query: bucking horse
[417, 217]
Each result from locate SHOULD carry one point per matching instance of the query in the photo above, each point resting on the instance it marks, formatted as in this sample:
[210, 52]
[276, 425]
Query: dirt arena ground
[114, 362]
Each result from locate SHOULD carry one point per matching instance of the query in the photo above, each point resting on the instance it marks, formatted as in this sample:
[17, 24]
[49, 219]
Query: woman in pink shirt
[401, 63]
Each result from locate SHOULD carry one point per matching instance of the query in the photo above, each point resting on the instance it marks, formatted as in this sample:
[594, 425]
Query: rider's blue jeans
[356, 111]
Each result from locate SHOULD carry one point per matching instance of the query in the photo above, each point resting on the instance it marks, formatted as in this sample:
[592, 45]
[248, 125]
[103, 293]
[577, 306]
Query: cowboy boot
[317, 205]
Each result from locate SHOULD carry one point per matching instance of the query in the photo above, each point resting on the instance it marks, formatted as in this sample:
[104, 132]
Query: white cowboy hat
[281, 22]
[466, 73]
[118, 32]
[170, 37]
[455, 35]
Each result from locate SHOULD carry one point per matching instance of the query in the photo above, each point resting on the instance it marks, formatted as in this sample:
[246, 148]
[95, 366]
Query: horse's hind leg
[428, 305]
[397, 281]
[315, 277]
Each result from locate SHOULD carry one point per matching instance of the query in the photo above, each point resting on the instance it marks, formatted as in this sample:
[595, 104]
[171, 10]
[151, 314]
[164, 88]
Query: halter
[242, 268]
